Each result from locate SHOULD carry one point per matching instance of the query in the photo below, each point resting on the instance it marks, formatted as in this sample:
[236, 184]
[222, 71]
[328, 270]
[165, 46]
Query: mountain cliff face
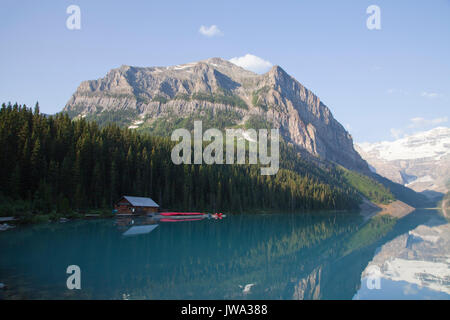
[420, 161]
[223, 95]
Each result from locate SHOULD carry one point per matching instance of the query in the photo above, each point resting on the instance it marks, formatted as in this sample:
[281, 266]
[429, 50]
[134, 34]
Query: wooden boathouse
[135, 205]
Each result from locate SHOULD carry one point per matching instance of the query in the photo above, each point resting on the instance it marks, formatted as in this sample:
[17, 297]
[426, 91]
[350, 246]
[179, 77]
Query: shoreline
[48, 218]
[367, 210]
[396, 209]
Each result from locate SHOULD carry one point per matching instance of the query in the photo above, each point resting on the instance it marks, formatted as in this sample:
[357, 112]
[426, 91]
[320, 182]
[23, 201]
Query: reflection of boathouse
[135, 205]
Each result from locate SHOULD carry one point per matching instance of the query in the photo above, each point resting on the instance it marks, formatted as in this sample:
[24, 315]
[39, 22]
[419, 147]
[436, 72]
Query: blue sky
[378, 83]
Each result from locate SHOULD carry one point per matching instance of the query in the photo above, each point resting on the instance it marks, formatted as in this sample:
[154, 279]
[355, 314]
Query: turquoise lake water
[278, 256]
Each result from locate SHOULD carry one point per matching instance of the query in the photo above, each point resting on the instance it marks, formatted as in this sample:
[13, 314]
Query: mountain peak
[276, 69]
[421, 160]
[278, 74]
[218, 61]
[218, 88]
[228, 67]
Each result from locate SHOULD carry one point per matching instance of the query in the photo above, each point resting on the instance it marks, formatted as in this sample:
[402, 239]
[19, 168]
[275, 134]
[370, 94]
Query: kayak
[178, 220]
[169, 214]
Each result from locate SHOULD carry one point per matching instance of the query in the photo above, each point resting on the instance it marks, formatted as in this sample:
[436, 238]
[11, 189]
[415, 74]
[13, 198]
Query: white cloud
[396, 91]
[396, 133]
[419, 122]
[252, 63]
[211, 31]
[424, 94]
[430, 95]
[409, 290]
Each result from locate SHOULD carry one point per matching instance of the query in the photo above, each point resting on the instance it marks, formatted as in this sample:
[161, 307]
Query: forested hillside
[54, 164]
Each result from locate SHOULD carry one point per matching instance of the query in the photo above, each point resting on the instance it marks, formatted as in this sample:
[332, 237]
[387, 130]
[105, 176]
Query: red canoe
[169, 214]
[178, 220]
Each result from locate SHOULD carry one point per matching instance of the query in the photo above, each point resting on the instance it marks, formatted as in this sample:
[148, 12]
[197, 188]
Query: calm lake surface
[278, 256]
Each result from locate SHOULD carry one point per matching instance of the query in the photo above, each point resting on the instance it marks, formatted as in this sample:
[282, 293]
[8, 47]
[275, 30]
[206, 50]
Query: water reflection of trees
[287, 256]
[210, 261]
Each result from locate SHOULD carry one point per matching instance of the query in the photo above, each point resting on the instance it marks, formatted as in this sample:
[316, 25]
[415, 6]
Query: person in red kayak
[217, 215]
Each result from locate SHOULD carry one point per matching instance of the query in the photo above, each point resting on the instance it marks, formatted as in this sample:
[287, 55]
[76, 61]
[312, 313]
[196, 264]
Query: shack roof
[141, 201]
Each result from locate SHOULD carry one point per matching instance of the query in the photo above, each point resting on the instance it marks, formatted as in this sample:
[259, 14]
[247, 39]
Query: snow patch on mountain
[420, 161]
[434, 144]
[420, 257]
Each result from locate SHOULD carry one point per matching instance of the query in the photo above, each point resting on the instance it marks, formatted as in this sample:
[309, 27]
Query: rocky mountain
[420, 161]
[418, 258]
[159, 99]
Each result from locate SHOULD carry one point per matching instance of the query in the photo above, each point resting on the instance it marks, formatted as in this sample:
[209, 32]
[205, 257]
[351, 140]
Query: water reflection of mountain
[320, 256]
[418, 260]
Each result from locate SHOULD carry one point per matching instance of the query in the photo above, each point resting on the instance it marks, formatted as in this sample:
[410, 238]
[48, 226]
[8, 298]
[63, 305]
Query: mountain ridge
[214, 88]
[420, 161]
